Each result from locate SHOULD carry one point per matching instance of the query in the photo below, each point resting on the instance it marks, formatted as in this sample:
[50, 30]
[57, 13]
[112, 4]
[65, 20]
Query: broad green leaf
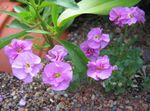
[18, 24]
[75, 84]
[19, 9]
[101, 7]
[65, 3]
[77, 56]
[39, 31]
[6, 40]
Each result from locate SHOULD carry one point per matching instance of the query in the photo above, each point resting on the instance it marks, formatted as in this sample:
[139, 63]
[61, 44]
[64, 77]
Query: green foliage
[146, 83]
[128, 60]
[18, 24]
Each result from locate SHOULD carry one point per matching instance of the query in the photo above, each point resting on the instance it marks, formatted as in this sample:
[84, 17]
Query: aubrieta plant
[51, 18]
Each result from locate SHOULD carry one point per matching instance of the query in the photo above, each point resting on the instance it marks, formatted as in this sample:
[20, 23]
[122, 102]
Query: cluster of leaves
[128, 60]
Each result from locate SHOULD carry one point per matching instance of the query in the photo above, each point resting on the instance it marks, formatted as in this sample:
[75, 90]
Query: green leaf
[11, 14]
[54, 13]
[46, 45]
[39, 31]
[19, 9]
[46, 13]
[77, 56]
[23, 1]
[6, 40]
[45, 4]
[28, 37]
[76, 81]
[37, 46]
[18, 24]
[101, 7]
[65, 3]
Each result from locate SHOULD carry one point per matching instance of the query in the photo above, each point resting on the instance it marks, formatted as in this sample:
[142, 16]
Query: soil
[14, 96]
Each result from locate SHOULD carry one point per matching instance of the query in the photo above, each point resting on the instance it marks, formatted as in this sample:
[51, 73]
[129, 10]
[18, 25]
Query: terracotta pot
[4, 31]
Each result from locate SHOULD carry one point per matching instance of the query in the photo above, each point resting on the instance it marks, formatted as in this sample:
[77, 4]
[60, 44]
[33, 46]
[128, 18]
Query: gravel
[90, 97]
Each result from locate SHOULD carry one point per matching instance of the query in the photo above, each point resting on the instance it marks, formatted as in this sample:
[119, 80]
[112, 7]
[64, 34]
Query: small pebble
[1, 98]
[22, 102]
[59, 106]
[66, 95]
[93, 97]
[129, 108]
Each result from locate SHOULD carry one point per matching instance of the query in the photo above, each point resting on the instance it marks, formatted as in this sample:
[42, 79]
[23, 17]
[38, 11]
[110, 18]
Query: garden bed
[89, 96]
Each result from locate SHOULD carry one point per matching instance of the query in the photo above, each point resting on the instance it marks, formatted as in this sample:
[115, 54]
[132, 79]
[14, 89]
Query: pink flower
[97, 39]
[134, 15]
[118, 15]
[126, 16]
[16, 47]
[88, 51]
[26, 66]
[57, 53]
[100, 68]
[58, 75]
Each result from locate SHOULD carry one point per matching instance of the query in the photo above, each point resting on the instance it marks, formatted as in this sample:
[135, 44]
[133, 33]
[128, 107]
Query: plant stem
[47, 37]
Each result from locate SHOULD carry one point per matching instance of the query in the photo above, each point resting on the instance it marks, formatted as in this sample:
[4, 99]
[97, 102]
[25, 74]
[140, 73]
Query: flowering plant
[51, 19]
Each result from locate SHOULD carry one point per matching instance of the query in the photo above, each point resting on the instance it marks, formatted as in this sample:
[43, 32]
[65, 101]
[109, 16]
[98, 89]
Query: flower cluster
[25, 65]
[126, 16]
[95, 42]
[58, 74]
[99, 67]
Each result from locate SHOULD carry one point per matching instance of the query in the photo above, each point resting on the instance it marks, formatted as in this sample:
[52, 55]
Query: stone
[129, 108]
[59, 106]
[22, 102]
[93, 97]
[66, 95]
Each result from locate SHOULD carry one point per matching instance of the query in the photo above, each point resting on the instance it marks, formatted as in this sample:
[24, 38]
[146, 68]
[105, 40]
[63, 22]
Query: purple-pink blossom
[56, 54]
[88, 51]
[26, 66]
[118, 15]
[58, 75]
[16, 47]
[100, 68]
[126, 16]
[97, 39]
[134, 15]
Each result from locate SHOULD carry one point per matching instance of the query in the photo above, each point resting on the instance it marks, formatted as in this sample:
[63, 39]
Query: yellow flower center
[97, 37]
[27, 65]
[57, 75]
[130, 15]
